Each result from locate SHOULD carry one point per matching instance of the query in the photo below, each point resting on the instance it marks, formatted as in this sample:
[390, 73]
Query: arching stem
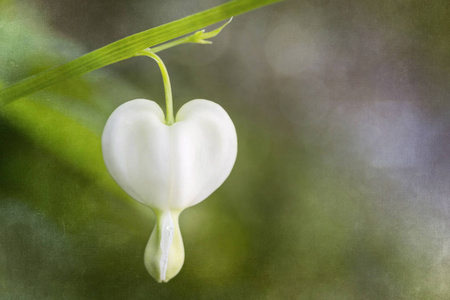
[166, 81]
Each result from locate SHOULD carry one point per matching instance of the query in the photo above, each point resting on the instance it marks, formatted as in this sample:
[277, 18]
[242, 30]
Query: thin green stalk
[127, 47]
[200, 37]
[167, 87]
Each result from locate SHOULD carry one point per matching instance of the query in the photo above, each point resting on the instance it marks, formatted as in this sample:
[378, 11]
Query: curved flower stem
[166, 80]
[200, 37]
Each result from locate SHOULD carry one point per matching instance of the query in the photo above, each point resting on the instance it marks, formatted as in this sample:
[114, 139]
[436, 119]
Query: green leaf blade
[127, 47]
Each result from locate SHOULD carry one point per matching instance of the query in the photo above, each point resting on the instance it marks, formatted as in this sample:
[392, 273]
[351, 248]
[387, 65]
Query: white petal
[169, 167]
[135, 146]
[205, 145]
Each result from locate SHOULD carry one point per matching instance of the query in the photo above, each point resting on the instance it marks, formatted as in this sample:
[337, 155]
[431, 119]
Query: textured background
[341, 187]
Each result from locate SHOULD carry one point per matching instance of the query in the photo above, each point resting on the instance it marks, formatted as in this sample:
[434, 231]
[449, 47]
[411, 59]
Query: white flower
[168, 168]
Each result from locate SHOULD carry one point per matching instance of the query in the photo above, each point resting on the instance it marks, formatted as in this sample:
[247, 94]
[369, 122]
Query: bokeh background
[341, 187]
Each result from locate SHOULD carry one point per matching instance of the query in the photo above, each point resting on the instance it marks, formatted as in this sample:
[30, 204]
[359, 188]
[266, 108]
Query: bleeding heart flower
[168, 167]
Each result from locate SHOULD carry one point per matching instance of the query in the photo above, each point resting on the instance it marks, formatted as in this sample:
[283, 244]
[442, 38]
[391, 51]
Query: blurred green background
[341, 187]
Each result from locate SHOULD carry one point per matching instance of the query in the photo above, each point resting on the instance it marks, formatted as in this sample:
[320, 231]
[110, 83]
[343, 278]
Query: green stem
[200, 37]
[170, 44]
[166, 81]
[127, 47]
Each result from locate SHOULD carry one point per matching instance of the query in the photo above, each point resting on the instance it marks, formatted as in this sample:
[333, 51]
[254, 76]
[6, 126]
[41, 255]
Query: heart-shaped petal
[169, 167]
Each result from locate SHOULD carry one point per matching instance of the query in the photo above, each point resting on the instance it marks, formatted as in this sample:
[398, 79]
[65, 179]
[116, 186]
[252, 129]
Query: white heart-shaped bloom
[169, 167]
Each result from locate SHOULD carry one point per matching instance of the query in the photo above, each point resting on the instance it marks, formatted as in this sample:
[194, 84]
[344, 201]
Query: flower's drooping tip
[164, 254]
